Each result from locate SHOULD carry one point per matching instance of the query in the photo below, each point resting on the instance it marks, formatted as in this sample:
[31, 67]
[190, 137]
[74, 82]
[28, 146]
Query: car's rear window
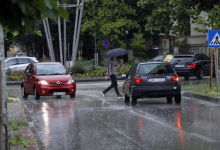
[155, 69]
[50, 69]
[182, 59]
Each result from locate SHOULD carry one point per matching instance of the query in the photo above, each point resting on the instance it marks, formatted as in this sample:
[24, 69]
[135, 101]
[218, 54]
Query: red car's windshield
[50, 69]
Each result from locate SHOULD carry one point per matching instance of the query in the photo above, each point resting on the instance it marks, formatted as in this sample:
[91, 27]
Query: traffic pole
[210, 80]
[217, 77]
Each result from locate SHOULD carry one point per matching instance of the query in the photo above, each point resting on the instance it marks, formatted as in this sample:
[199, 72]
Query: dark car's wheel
[127, 99]
[36, 96]
[199, 74]
[178, 98]
[169, 100]
[23, 93]
[133, 99]
[72, 95]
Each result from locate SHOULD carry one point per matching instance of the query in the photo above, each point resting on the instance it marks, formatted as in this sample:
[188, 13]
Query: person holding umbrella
[112, 69]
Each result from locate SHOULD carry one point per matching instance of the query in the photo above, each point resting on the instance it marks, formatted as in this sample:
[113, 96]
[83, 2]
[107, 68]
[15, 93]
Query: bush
[140, 50]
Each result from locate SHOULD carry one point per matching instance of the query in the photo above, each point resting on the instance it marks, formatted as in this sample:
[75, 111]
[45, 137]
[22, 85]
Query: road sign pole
[217, 77]
[211, 68]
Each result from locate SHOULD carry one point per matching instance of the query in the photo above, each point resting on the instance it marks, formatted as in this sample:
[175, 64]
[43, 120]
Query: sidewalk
[18, 111]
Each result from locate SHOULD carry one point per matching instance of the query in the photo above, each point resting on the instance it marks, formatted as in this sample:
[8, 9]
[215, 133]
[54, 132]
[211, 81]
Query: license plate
[157, 80]
[59, 93]
[179, 65]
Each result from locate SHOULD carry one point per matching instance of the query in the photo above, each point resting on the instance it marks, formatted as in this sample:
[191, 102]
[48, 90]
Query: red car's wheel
[23, 93]
[72, 95]
[36, 96]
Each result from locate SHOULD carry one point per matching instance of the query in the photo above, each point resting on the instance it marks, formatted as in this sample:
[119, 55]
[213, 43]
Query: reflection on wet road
[92, 122]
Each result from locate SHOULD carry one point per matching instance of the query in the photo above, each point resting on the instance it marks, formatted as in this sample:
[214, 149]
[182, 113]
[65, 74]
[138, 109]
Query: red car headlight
[71, 81]
[43, 82]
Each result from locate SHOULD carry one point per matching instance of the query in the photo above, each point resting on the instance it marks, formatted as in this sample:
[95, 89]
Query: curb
[190, 94]
[76, 80]
[28, 133]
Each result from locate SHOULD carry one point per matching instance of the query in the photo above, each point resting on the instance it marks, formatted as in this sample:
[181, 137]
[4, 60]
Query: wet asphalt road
[91, 122]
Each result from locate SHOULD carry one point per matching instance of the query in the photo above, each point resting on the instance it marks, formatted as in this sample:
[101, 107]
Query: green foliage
[203, 89]
[20, 141]
[28, 13]
[212, 22]
[110, 23]
[140, 50]
[14, 75]
[184, 44]
[45, 59]
[17, 124]
[9, 94]
[169, 16]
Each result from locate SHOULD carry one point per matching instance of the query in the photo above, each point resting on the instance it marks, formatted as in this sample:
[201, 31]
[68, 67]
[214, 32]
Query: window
[23, 61]
[32, 70]
[30, 60]
[11, 62]
[27, 70]
[50, 69]
[200, 57]
[155, 69]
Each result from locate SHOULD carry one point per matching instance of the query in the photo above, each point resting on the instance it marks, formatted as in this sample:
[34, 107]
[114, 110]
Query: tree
[211, 23]
[111, 19]
[15, 13]
[169, 16]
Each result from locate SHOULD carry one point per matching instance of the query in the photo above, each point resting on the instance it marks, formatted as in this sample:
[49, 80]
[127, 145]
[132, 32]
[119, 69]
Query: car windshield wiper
[42, 74]
[56, 74]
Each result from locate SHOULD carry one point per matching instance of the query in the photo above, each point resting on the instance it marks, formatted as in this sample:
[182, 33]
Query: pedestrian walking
[112, 73]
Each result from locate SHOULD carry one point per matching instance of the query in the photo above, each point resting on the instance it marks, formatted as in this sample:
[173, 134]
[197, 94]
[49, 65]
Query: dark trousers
[113, 84]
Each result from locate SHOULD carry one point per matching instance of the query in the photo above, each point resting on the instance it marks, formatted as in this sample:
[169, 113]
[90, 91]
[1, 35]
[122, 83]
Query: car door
[30, 79]
[22, 63]
[202, 63]
[129, 81]
[207, 65]
[11, 63]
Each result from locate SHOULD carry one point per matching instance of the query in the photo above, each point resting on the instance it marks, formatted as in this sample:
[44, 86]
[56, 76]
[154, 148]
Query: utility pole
[3, 109]
[78, 33]
[64, 39]
[60, 40]
[74, 36]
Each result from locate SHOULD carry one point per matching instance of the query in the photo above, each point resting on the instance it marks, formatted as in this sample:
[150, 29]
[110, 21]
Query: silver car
[18, 63]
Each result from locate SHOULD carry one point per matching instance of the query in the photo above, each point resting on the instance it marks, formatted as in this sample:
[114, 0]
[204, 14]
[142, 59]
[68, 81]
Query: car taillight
[175, 77]
[137, 79]
[191, 66]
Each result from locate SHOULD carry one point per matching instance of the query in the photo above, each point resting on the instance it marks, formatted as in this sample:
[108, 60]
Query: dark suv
[187, 65]
[153, 80]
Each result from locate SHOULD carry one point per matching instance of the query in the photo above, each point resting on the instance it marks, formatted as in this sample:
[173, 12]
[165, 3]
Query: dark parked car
[187, 65]
[153, 80]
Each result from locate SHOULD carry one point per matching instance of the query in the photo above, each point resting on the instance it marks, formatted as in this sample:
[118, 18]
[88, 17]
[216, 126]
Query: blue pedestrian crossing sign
[214, 38]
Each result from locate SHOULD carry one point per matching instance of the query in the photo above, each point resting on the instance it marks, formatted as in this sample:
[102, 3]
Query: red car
[47, 79]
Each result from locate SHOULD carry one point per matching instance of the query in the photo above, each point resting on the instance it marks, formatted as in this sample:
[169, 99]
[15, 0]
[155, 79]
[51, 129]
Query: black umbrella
[116, 52]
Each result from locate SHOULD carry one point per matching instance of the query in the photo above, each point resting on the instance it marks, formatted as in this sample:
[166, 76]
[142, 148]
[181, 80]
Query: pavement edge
[36, 137]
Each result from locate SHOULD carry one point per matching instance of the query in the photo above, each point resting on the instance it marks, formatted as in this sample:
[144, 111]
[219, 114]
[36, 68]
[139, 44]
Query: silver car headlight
[43, 82]
[70, 81]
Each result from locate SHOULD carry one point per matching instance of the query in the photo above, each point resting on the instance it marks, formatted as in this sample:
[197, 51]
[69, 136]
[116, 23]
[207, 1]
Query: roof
[46, 63]
[154, 62]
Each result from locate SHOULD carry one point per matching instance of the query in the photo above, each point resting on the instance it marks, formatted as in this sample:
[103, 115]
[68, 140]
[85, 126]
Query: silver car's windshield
[51, 69]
